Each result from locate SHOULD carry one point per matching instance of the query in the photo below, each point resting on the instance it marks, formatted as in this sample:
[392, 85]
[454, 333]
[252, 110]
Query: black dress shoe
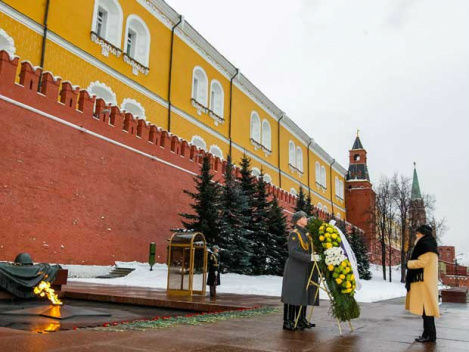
[306, 324]
[424, 339]
[289, 325]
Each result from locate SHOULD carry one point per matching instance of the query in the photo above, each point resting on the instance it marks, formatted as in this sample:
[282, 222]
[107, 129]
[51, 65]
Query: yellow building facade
[142, 56]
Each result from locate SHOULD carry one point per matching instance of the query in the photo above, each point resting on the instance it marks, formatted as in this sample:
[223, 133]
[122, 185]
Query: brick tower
[359, 195]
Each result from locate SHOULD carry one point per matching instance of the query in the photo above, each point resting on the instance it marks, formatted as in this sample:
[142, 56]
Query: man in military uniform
[296, 274]
[213, 279]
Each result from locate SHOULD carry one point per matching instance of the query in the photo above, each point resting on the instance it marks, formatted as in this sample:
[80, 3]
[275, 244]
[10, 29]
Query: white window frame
[337, 215]
[114, 20]
[101, 90]
[141, 41]
[299, 158]
[267, 178]
[215, 150]
[325, 209]
[341, 188]
[218, 110]
[255, 127]
[200, 86]
[7, 43]
[266, 135]
[199, 142]
[323, 177]
[318, 172]
[291, 154]
[293, 192]
[337, 187]
[134, 107]
[320, 206]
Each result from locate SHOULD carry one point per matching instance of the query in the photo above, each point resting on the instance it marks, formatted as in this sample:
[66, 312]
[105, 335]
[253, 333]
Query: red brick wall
[69, 196]
[447, 253]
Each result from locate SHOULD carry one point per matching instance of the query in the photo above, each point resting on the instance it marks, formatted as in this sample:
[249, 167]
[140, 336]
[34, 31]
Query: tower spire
[415, 185]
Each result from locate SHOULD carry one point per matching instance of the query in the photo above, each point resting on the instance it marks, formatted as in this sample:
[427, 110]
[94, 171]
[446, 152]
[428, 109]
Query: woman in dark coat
[213, 279]
[296, 275]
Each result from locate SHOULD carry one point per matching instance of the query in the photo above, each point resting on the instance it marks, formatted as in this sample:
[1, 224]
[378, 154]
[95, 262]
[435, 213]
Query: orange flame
[43, 289]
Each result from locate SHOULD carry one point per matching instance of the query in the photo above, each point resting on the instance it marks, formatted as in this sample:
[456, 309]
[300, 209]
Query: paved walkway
[383, 326]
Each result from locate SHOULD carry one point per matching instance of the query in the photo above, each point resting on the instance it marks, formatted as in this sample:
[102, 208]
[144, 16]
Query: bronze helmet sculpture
[23, 259]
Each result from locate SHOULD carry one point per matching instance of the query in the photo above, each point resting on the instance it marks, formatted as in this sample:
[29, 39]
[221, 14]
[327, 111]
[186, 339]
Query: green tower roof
[415, 186]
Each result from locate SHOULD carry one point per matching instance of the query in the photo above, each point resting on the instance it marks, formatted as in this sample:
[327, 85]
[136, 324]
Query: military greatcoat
[297, 269]
[213, 269]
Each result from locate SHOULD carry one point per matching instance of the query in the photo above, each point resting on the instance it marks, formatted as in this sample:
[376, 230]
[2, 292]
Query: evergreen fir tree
[277, 227]
[261, 261]
[300, 201]
[361, 253]
[308, 206]
[248, 186]
[234, 236]
[205, 205]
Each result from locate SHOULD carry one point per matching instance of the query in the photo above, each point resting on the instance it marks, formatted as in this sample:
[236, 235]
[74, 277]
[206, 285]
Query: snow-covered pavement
[373, 290]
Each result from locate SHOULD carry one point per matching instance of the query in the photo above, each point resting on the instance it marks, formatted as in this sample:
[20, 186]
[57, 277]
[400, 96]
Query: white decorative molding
[215, 150]
[138, 106]
[136, 66]
[106, 47]
[7, 43]
[96, 87]
[199, 142]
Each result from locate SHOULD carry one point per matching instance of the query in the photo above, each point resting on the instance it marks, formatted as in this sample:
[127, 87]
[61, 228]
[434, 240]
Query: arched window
[356, 157]
[215, 150]
[199, 86]
[337, 215]
[320, 206]
[318, 173]
[107, 21]
[255, 127]
[7, 43]
[137, 40]
[216, 98]
[266, 135]
[337, 187]
[255, 172]
[341, 188]
[267, 178]
[293, 192]
[325, 209]
[291, 153]
[102, 91]
[323, 177]
[199, 142]
[299, 159]
[134, 107]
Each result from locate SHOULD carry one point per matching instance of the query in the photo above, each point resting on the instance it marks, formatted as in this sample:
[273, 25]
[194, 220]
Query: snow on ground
[373, 290]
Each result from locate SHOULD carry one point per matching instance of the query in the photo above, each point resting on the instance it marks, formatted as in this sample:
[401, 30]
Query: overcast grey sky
[396, 69]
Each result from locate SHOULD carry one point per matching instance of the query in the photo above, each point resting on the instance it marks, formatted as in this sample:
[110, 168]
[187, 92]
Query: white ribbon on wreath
[350, 255]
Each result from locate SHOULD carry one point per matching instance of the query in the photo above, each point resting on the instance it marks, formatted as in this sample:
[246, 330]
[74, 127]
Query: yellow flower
[348, 285]
[339, 281]
[330, 267]
[321, 238]
[352, 277]
[321, 228]
[342, 276]
[327, 235]
[347, 270]
[344, 264]
[328, 245]
[334, 236]
[330, 230]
